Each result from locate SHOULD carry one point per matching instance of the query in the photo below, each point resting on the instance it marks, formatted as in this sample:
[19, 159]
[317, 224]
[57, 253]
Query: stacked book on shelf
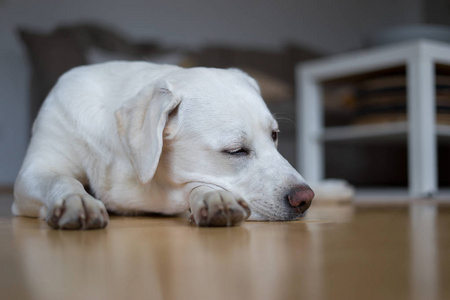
[383, 99]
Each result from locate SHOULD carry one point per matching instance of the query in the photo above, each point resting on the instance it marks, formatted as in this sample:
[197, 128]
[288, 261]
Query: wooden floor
[337, 252]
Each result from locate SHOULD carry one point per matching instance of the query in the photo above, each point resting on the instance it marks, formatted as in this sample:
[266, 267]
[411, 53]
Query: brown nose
[300, 197]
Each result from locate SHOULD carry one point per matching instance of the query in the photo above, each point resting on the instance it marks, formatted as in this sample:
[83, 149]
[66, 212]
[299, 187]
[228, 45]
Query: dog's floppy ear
[140, 124]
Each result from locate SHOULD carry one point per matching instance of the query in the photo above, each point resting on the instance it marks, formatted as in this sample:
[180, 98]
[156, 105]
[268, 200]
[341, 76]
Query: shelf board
[388, 131]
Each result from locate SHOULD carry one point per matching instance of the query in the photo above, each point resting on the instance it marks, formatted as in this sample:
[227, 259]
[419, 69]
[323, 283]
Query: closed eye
[237, 152]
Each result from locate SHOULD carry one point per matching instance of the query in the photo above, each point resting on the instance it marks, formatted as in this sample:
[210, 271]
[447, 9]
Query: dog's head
[211, 127]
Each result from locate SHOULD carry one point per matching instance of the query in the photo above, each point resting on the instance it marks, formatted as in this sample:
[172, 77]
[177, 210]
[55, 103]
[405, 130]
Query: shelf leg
[309, 128]
[422, 142]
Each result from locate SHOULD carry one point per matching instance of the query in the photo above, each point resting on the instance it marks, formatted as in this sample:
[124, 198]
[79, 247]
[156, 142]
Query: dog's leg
[211, 207]
[67, 203]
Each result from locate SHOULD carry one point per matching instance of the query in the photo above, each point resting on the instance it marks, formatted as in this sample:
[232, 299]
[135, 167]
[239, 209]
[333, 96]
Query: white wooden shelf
[420, 59]
[376, 132]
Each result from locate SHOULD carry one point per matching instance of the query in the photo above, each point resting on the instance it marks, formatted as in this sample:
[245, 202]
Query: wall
[329, 26]
[437, 11]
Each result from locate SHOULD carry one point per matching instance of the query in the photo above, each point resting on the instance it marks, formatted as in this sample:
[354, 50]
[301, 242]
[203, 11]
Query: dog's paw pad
[77, 212]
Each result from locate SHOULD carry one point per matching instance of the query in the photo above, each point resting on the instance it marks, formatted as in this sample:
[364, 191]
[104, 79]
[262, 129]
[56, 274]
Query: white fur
[108, 126]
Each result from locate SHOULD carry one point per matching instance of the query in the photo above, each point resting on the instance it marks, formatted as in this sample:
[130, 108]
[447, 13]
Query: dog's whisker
[284, 120]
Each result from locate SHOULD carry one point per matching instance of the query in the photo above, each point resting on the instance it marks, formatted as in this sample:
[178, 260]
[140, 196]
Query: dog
[149, 138]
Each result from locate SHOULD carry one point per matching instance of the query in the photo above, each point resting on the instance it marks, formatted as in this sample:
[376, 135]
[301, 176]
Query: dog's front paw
[77, 212]
[219, 208]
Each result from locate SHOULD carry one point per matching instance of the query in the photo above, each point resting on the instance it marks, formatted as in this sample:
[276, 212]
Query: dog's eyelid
[241, 151]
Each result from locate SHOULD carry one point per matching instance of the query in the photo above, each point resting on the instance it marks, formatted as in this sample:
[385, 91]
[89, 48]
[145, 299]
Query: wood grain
[337, 252]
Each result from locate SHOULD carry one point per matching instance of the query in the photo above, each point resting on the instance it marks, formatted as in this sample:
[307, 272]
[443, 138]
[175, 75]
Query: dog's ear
[140, 124]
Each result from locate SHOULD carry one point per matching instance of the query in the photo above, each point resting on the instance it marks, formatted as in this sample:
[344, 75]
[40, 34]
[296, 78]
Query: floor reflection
[336, 252]
[100, 264]
[424, 252]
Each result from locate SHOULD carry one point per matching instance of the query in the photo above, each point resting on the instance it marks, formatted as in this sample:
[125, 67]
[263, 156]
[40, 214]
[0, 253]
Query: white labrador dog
[156, 138]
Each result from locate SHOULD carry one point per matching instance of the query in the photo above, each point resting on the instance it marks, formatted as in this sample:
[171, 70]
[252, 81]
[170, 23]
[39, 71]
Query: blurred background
[40, 39]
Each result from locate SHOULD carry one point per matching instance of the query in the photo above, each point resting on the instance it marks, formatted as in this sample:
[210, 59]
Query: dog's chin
[274, 216]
